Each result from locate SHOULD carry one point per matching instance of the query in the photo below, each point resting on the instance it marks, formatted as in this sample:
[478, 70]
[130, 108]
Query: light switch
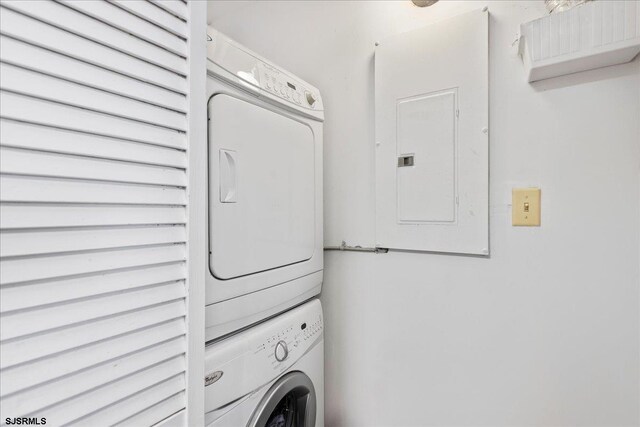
[525, 207]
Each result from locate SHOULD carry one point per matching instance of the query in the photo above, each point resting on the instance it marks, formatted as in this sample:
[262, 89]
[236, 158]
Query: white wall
[546, 331]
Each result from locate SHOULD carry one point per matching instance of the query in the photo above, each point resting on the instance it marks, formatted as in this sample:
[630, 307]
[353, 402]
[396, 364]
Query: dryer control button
[281, 351]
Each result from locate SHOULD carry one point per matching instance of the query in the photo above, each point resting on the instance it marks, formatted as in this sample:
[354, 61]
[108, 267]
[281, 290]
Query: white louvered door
[93, 180]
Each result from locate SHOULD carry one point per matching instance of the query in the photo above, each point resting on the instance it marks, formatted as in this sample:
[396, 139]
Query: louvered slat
[43, 292]
[128, 388]
[45, 395]
[31, 189]
[133, 409]
[38, 163]
[39, 59]
[93, 29]
[44, 35]
[23, 269]
[175, 7]
[29, 136]
[34, 110]
[171, 405]
[93, 200]
[18, 216]
[64, 342]
[26, 322]
[20, 80]
[41, 371]
[154, 14]
[24, 243]
[130, 23]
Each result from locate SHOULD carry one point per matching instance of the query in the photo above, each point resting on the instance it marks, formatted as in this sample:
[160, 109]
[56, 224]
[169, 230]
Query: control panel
[239, 65]
[289, 341]
[239, 364]
[280, 84]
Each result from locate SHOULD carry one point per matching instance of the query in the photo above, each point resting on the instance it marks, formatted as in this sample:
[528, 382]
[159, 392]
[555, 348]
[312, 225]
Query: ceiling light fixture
[424, 3]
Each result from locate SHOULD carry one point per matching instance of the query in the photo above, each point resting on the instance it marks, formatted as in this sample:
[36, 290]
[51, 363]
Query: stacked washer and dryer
[264, 328]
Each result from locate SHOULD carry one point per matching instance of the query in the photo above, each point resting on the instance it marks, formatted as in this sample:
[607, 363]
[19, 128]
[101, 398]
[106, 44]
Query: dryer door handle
[228, 176]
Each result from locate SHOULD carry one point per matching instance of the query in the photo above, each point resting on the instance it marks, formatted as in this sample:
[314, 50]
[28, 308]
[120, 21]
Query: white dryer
[265, 188]
[269, 375]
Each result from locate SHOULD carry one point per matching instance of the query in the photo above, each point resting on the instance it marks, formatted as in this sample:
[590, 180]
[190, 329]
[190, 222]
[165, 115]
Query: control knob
[310, 98]
[281, 351]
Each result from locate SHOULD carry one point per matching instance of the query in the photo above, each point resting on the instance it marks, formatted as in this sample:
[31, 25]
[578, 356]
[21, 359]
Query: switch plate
[525, 207]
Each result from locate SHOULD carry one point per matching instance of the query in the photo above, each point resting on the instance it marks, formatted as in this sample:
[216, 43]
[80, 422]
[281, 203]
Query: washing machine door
[290, 402]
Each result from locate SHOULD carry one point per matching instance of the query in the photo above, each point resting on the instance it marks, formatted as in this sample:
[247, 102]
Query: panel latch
[404, 161]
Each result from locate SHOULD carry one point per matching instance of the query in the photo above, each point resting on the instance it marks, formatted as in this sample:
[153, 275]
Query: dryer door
[261, 189]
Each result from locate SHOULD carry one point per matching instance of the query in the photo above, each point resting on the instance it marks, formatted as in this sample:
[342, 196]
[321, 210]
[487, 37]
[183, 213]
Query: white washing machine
[271, 375]
[265, 188]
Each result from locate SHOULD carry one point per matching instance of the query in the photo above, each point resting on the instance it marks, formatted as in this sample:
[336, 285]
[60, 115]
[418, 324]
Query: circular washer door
[290, 402]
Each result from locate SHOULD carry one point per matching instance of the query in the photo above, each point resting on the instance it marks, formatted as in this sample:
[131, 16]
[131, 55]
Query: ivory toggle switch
[525, 207]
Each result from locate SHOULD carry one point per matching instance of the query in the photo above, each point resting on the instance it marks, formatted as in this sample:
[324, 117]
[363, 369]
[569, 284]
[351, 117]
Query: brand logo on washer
[212, 378]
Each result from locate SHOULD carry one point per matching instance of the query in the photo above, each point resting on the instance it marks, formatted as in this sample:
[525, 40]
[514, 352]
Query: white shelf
[593, 35]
